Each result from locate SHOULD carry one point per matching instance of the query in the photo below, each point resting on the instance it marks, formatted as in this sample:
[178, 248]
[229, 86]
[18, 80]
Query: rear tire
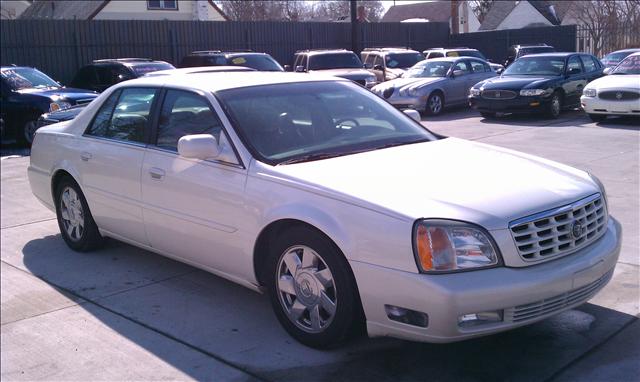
[317, 301]
[487, 115]
[76, 224]
[598, 117]
[435, 104]
[555, 106]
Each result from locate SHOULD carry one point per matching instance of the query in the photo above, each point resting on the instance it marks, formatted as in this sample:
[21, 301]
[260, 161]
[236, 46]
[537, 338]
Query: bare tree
[481, 8]
[297, 10]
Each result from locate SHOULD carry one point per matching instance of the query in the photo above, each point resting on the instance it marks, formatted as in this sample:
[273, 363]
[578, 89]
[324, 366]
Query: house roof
[63, 9]
[81, 10]
[501, 9]
[434, 11]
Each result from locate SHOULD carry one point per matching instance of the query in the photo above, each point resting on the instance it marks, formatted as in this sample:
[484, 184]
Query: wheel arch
[58, 174]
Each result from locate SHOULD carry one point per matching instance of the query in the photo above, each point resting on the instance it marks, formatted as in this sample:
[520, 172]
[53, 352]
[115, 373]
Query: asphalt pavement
[121, 313]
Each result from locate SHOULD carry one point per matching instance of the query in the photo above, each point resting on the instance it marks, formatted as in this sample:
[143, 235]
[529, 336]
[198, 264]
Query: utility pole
[354, 26]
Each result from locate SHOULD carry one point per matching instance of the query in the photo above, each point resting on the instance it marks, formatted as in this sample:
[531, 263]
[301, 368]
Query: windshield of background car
[297, 121]
[403, 60]
[465, 53]
[27, 78]
[259, 62]
[428, 69]
[536, 66]
[142, 69]
[614, 58]
[533, 50]
[630, 65]
[334, 61]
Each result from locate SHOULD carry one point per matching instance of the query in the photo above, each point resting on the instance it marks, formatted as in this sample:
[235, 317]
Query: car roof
[634, 54]
[554, 54]
[531, 46]
[15, 67]
[200, 69]
[125, 61]
[324, 51]
[625, 50]
[224, 53]
[448, 49]
[212, 82]
[451, 59]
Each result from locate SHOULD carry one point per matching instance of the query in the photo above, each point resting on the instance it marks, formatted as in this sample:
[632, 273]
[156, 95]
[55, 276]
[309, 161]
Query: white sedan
[344, 210]
[615, 94]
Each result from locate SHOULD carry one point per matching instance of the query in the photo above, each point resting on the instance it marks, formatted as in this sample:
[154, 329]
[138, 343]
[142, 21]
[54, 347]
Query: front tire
[76, 224]
[555, 106]
[435, 104]
[598, 117]
[28, 132]
[311, 288]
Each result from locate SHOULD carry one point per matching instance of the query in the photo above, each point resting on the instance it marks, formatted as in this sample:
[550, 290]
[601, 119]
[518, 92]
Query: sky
[388, 3]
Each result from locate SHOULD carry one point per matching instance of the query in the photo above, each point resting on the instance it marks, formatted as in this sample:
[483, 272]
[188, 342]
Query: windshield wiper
[312, 157]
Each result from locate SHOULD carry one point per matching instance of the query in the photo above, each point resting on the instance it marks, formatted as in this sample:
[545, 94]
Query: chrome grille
[544, 307]
[499, 94]
[560, 231]
[618, 95]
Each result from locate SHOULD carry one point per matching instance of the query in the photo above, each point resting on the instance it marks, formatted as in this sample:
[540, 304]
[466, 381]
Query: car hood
[395, 72]
[616, 81]
[64, 114]
[62, 93]
[514, 82]
[348, 73]
[448, 178]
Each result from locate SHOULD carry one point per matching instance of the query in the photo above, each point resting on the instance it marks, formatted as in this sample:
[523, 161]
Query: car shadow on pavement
[237, 326]
[622, 123]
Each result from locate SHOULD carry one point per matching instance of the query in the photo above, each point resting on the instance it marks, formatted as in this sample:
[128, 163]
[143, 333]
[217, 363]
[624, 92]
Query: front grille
[83, 101]
[619, 95]
[560, 231]
[544, 307]
[499, 94]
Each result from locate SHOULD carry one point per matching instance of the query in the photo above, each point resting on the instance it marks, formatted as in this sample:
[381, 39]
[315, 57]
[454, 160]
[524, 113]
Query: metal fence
[600, 41]
[60, 47]
[494, 44]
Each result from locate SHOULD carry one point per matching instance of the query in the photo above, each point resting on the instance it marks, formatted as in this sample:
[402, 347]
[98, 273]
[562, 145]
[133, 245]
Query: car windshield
[536, 66]
[297, 122]
[142, 69]
[630, 65]
[465, 53]
[27, 78]
[261, 62]
[403, 60]
[533, 50]
[334, 61]
[428, 68]
[614, 58]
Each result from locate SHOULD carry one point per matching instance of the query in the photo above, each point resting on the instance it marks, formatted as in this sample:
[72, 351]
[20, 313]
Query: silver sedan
[429, 86]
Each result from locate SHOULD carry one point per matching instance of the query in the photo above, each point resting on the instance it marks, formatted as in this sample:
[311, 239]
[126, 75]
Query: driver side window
[462, 65]
[574, 66]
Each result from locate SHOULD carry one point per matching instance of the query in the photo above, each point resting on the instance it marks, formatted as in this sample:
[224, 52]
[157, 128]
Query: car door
[193, 208]
[458, 85]
[592, 69]
[575, 80]
[480, 71]
[111, 160]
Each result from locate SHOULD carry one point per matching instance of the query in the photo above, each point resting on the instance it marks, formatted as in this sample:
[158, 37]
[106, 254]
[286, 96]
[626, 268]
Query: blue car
[27, 93]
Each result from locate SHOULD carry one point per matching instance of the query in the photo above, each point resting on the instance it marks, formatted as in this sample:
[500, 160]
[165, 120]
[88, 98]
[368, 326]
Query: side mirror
[287, 68]
[457, 73]
[198, 146]
[300, 69]
[378, 67]
[413, 114]
[607, 70]
[500, 70]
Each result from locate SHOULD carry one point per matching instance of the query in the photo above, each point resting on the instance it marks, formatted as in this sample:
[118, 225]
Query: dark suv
[517, 51]
[27, 93]
[101, 74]
[258, 61]
[389, 63]
[334, 62]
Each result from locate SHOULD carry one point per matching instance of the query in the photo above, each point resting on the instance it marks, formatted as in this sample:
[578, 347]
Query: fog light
[407, 316]
[482, 318]
[534, 104]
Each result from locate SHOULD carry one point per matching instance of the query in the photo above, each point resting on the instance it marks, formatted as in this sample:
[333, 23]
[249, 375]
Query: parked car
[460, 52]
[101, 74]
[431, 85]
[614, 58]
[517, 51]
[27, 93]
[546, 83]
[340, 207]
[389, 63]
[259, 61]
[616, 94]
[336, 62]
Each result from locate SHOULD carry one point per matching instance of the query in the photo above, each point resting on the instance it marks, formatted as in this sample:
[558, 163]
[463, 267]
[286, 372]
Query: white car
[615, 94]
[343, 209]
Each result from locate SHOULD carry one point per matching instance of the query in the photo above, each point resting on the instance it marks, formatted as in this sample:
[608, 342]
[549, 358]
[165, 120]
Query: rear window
[142, 69]
[261, 62]
[334, 61]
[403, 60]
[465, 53]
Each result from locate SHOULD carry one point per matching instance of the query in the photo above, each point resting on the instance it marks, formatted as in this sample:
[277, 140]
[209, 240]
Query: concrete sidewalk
[122, 313]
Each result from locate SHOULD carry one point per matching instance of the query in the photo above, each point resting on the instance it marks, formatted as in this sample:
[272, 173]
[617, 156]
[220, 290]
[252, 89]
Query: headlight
[474, 92]
[449, 246]
[59, 105]
[590, 92]
[533, 92]
[370, 81]
[600, 185]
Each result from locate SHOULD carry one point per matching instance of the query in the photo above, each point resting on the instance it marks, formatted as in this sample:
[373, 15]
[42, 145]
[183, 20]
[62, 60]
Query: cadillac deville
[344, 210]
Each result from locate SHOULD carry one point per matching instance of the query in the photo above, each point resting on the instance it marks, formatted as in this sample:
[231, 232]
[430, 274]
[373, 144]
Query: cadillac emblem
[618, 95]
[576, 229]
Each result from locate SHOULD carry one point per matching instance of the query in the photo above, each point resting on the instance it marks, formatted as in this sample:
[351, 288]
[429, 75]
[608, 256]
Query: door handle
[85, 156]
[156, 173]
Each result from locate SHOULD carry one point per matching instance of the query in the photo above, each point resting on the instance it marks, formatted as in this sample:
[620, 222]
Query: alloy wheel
[435, 104]
[306, 289]
[72, 214]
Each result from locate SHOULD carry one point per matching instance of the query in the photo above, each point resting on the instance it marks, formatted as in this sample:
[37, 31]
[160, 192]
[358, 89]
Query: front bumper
[594, 105]
[515, 105]
[523, 295]
[418, 103]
